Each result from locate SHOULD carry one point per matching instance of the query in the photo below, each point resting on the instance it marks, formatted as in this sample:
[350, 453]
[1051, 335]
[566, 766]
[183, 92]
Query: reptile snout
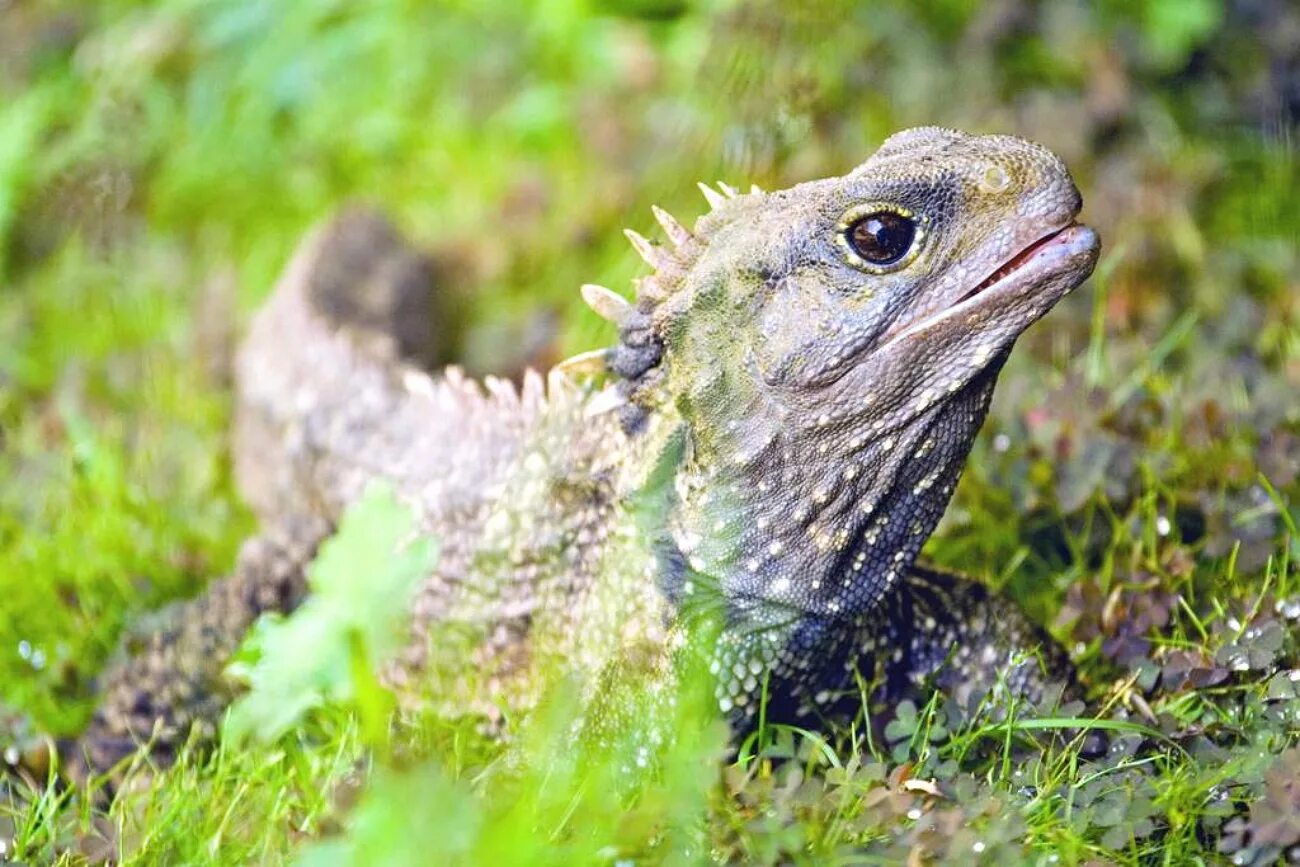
[1050, 196]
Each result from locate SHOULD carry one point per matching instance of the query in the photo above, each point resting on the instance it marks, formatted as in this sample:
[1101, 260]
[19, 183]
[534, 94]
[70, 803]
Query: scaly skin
[786, 427]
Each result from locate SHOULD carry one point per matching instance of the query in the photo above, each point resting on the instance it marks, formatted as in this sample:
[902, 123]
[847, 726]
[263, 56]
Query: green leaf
[362, 583]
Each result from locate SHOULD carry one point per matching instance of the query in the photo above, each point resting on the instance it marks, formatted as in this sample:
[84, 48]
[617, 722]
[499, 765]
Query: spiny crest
[676, 232]
[712, 196]
[454, 393]
[607, 303]
[636, 357]
[587, 363]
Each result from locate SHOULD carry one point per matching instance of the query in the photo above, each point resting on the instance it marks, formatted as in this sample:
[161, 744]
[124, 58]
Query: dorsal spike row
[605, 401]
[533, 391]
[653, 256]
[559, 387]
[607, 303]
[712, 196]
[502, 390]
[585, 363]
[676, 232]
[418, 382]
[649, 289]
[728, 190]
[755, 190]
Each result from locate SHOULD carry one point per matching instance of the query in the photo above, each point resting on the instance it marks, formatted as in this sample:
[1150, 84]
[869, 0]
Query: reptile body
[792, 397]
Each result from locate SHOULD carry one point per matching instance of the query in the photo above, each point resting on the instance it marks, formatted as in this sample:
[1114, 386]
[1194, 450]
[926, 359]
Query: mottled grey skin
[786, 428]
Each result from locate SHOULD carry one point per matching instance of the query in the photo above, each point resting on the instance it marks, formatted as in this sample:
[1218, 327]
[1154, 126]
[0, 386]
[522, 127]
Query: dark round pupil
[882, 238]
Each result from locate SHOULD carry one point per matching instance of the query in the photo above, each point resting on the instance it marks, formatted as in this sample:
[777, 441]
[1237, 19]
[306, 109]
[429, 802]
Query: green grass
[1136, 487]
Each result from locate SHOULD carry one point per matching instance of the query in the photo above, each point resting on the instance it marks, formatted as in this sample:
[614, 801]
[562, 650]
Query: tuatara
[775, 434]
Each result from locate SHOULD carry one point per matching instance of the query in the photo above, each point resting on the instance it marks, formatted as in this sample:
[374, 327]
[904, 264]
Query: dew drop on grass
[1289, 608]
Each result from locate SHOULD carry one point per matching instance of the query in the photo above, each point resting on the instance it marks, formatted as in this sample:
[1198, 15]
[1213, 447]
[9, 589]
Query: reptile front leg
[971, 642]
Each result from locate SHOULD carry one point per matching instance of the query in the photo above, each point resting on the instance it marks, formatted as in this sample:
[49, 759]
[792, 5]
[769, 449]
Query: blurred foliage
[354, 621]
[1137, 483]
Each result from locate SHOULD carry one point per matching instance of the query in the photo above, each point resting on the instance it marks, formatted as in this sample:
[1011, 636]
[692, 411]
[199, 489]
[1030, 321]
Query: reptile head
[941, 242]
[831, 349]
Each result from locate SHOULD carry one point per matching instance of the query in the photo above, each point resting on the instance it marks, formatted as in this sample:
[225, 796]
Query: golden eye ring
[881, 238]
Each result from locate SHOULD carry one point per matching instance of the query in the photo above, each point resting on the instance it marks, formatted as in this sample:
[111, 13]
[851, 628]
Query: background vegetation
[1136, 487]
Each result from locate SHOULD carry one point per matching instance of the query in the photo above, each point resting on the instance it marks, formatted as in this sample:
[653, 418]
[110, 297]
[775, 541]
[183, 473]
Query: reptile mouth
[1015, 262]
[1060, 250]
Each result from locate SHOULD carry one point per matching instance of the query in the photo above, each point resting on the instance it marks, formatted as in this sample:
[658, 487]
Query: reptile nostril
[994, 179]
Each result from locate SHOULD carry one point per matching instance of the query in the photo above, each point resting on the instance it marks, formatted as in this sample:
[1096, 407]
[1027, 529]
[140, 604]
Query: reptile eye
[881, 237]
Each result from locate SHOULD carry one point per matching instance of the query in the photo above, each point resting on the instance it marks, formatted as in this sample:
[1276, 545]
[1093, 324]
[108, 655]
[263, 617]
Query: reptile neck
[821, 519]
